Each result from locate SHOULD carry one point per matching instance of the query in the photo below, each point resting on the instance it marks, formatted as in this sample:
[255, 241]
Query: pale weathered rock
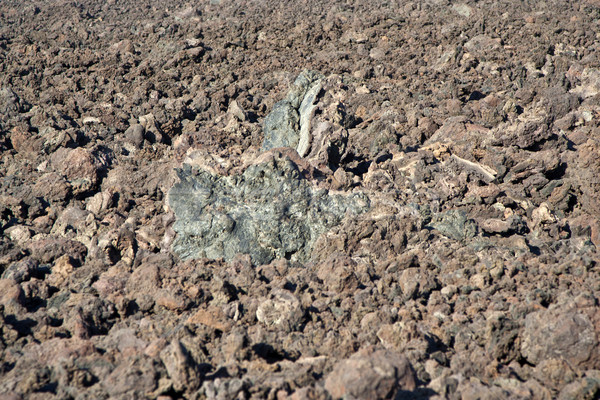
[181, 367]
[281, 310]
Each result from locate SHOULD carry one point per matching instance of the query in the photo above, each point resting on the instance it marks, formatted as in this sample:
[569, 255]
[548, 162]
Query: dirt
[469, 130]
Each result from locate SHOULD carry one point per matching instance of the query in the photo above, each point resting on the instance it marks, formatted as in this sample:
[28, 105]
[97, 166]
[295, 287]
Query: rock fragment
[371, 374]
[564, 331]
[288, 125]
[282, 310]
[269, 211]
[455, 225]
[80, 166]
[181, 367]
[311, 120]
[10, 103]
[135, 135]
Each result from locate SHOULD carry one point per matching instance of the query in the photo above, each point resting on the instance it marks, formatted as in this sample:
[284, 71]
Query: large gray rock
[288, 125]
[269, 211]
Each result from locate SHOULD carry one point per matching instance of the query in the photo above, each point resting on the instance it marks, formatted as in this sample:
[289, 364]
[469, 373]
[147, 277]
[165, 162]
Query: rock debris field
[300, 200]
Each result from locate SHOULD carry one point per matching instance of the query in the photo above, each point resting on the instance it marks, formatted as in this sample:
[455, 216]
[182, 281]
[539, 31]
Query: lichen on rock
[269, 211]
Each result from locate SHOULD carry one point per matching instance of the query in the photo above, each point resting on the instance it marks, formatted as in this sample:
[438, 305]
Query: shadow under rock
[417, 394]
[24, 326]
[270, 354]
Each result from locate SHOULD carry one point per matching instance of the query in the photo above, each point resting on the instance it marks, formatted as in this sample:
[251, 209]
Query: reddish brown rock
[24, 141]
[566, 331]
[47, 250]
[80, 166]
[338, 273]
[12, 296]
[374, 374]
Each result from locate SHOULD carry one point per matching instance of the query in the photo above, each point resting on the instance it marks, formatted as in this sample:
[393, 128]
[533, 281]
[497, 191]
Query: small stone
[63, 267]
[80, 167]
[213, 318]
[21, 270]
[542, 215]
[236, 111]
[497, 272]
[282, 310]
[449, 291]
[19, 234]
[48, 250]
[481, 44]
[173, 300]
[377, 53]
[152, 133]
[10, 103]
[135, 135]
[337, 273]
[555, 372]
[180, 367]
[135, 377]
[342, 180]
[514, 224]
[587, 388]
[233, 347]
[155, 347]
[52, 187]
[479, 281]
[101, 201]
[11, 296]
[123, 47]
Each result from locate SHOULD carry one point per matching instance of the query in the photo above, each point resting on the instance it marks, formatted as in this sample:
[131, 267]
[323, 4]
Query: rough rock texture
[379, 375]
[269, 212]
[288, 125]
[422, 208]
[311, 119]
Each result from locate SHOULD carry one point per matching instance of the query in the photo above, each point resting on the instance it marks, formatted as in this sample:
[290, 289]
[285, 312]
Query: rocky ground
[299, 199]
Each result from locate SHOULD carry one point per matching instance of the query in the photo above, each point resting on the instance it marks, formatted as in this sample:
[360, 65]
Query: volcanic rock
[374, 374]
[269, 211]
